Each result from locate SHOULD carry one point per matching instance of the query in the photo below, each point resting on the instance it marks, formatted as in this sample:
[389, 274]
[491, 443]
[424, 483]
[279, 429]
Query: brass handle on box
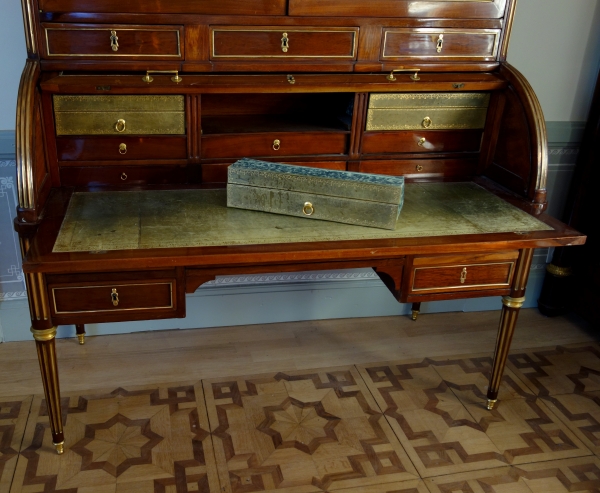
[114, 296]
[414, 76]
[122, 148]
[120, 125]
[148, 78]
[463, 276]
[308, 209]
[276, 144]
[114, 41]
[285, 43]
[426, 123]
[440, 43]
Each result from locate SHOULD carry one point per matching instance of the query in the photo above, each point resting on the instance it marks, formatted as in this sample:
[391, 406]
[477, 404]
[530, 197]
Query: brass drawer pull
[123, 176]
[308, 209]
[285, 43]
[148, 78]
[114, 41]
[440, 43]
[419, 167]
[414, 76]
[122, 148]
[114, 296]
[276, 144]
[120, 125]
[463, 275]
[426, 123]
[422, 141]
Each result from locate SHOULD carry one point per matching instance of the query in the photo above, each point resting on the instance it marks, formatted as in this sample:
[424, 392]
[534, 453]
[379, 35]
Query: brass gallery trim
[463, 286]
[170, 284]
[108, 29]
[495, 32]
[351, 57]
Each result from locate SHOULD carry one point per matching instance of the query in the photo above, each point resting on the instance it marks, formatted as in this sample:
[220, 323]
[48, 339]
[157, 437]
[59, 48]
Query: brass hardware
[60, 447]
[276, 144]
[308, 209]
[491, 403]
[123, 176]
[559, 271]
[120, 125]
[422, 141]
[513, 302]
[458, 85]
[122, 148]
[148, 78]
[44, 335]
[285, 43]
[419, 167]
[114, 296]
[114, 41]
[440, 43]
[81, 338]
[414, 315]
[463, 275]
[102, 88]
[291, 79]
[426, 123]
[414, 76]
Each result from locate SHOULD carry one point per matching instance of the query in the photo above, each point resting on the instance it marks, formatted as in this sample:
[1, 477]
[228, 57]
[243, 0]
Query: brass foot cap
[81, 338]
[60, 447]
[491, 403]
[415, 314]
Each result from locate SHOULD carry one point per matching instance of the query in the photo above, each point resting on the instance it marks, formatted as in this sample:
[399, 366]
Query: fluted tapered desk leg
[511, 306]
[46, 349]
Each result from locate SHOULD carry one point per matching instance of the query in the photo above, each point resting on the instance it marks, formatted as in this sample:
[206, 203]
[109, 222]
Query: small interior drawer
[433, 44]
[421, 141]
[123, 176]
[274, 144]
[456, 273]
[120, 148]
[114, 41]
[283, 42]
[421, 169]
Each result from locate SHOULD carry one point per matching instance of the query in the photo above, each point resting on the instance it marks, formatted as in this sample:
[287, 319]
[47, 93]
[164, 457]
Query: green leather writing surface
[192, 218]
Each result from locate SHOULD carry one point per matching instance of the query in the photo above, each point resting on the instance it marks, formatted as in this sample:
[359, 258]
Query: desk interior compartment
[257, 125]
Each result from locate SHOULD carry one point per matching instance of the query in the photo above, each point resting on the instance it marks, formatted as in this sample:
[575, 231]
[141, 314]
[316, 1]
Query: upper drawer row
[471, 9]
[66, 41]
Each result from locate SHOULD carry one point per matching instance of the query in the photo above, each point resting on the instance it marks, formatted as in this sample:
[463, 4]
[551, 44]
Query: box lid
[348, 184]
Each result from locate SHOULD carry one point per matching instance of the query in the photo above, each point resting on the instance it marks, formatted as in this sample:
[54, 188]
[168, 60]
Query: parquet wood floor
[365, 423]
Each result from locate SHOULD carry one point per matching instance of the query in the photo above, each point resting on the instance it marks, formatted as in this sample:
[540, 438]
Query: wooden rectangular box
[341, 196]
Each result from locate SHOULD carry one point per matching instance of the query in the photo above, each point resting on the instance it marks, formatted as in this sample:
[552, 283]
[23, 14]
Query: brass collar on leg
[60, 447]
[44, 335]
[513, 302]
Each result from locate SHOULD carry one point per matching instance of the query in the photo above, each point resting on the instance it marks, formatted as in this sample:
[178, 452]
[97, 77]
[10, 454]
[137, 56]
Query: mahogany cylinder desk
[129, 114]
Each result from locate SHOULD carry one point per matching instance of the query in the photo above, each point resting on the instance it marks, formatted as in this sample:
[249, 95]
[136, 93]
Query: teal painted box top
[362, 199]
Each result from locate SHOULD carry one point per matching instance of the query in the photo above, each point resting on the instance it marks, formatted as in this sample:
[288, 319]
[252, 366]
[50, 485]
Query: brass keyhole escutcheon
[421, 142]
[426, 123]
[123, 176]
[463, 275]
[440, 43]
[419, 167]
[114, 296]
[276, 144]
[120, 125]
[308, 209]
[122, 148]
[114, 41]
[285, 43]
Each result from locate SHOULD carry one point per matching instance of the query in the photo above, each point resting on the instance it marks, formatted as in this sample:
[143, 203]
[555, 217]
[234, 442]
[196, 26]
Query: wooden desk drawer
[439, 44]
[423, 141]
[427, 111]
[271, 144]
[458, 273]
[114, 41]
[283, 42]
[420, 169]
[119, 115]
[120, 148]
[118, 175]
